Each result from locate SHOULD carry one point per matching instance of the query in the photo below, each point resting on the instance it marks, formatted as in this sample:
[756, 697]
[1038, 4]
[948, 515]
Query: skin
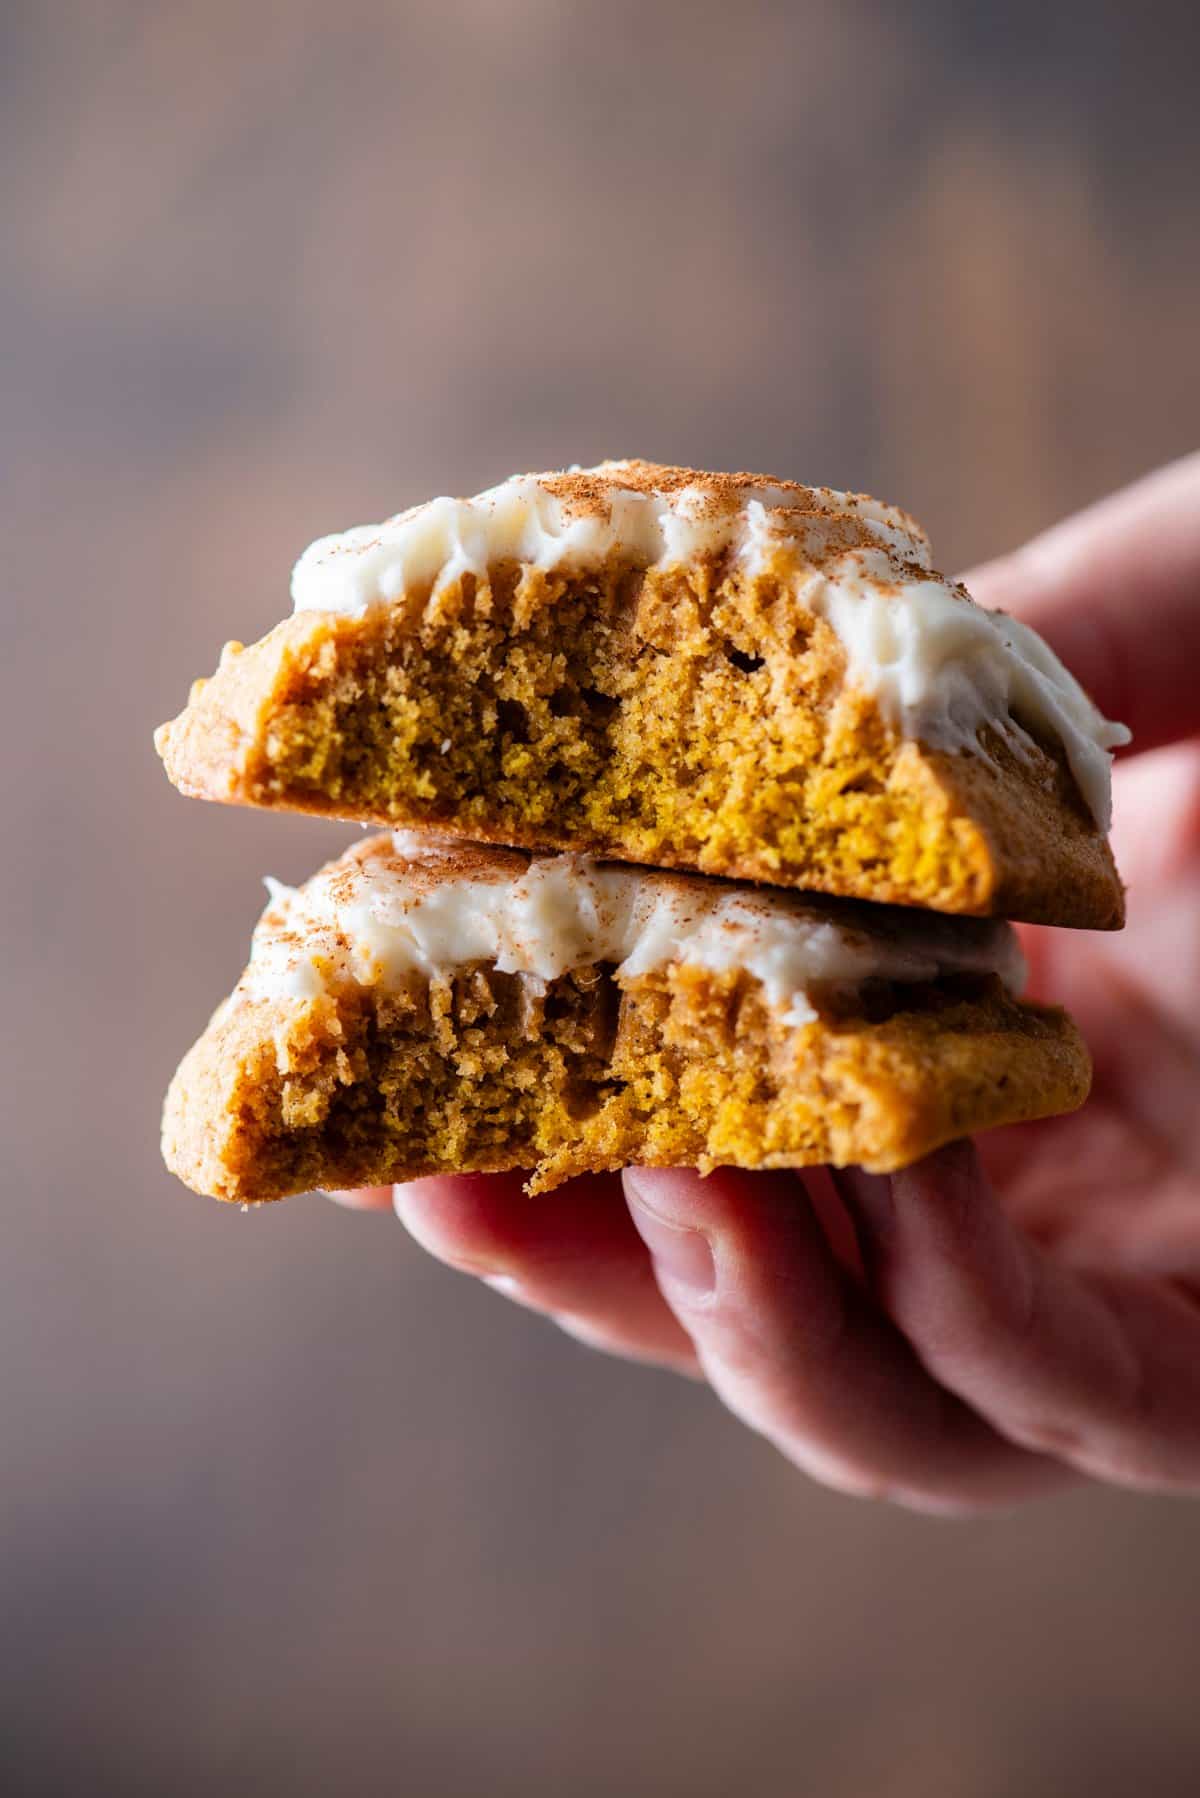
[1005, 1317]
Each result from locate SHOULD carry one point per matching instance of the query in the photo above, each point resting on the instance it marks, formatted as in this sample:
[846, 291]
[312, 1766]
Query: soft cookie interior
[362, 1048]
[720, 672]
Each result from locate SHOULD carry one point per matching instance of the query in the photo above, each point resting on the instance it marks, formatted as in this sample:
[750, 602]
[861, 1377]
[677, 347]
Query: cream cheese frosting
[939, 666]
[406, 905]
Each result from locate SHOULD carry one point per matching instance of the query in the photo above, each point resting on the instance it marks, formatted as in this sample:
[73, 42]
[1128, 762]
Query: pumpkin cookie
[720, 673]
[418, 1008]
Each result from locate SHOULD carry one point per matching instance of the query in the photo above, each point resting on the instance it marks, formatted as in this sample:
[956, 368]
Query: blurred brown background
[286, 1508]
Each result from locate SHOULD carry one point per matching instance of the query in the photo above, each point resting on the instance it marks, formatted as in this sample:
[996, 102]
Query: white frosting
[940, 667]
[943, 667]
[432, 545]
[380, 919]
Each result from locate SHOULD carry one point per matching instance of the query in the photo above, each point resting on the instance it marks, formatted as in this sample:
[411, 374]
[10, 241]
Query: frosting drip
[940, 667]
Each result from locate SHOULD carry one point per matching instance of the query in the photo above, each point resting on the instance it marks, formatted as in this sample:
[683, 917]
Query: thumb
[797, 1349]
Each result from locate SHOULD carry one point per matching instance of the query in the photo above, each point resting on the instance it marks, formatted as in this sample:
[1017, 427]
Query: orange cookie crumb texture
[343, 1059]
[687, 687]
[708, 801]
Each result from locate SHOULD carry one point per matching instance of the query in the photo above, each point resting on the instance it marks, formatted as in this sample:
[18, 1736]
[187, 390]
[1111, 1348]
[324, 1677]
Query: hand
[988, 1324]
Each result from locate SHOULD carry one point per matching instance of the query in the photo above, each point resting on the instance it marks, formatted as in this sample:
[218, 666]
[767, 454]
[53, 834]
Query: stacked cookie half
[706, 803]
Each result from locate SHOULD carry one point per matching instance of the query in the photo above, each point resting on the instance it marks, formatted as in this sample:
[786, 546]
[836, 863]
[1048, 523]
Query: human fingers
[798, 1350]
[572, 1254]
[1099, 1369]
[1156, 817]
[1116, 591]
[362, 1198]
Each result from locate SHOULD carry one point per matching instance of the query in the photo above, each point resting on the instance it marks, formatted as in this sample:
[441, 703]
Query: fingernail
[681, 1255]
[345, 1196]
[401, 1193]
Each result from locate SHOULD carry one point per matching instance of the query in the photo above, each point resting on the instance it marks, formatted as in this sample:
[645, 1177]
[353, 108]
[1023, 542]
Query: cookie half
[416, 1009]
[720, 673]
